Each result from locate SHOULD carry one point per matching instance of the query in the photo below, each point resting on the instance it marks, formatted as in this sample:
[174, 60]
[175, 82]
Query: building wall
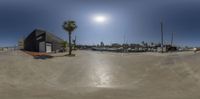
[40, 37]
[55, 41]
[31, 43]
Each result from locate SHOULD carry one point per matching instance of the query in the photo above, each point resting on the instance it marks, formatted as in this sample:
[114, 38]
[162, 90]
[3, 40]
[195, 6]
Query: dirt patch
[39, 55]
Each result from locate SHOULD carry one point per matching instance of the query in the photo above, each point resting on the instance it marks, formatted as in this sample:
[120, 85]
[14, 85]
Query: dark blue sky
[138, 20]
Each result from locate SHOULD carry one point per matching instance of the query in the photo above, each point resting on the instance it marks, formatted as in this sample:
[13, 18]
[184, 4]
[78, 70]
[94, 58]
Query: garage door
[48, 47]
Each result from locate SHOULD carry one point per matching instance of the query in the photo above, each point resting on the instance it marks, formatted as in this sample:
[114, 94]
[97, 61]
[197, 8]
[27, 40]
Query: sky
[129, 21]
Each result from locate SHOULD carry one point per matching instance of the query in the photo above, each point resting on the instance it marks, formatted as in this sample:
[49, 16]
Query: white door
[42, 47]
[48, 47]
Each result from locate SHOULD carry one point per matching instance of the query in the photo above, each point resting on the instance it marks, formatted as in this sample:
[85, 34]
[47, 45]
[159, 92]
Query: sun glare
[100, 19]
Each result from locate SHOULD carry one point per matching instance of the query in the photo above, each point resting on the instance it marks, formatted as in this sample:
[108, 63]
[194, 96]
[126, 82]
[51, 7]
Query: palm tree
[69, 26]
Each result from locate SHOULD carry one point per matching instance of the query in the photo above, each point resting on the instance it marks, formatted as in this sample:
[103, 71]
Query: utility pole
[172, 39]
[124, 38]
[161, 26]
[124, 42]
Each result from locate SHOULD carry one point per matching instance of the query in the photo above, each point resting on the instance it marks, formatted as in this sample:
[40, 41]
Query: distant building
[7, 49]
[167, 48]
[42, 41]
[1, 49]
[21, 44]
[116, 45]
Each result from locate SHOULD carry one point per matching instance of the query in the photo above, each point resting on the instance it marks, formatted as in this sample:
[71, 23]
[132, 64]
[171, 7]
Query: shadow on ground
[43, 57]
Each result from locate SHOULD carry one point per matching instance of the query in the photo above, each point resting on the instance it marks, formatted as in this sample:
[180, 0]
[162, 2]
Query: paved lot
[100, 75]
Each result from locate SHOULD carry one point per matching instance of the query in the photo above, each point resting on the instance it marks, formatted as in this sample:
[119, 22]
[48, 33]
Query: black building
[42, 41]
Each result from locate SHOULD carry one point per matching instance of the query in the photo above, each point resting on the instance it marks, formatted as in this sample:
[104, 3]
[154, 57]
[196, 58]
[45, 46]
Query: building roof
[41, 31]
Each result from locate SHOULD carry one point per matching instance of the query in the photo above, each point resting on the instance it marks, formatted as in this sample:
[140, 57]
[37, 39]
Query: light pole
[161, 26]
[172, 39]
[124, 42]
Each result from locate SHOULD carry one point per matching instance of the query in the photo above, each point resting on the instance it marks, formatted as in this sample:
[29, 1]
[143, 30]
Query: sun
[100, 19]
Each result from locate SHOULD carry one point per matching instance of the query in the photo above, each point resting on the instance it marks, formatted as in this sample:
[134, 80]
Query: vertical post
[124, 42]
[161, 24]
[172, 39]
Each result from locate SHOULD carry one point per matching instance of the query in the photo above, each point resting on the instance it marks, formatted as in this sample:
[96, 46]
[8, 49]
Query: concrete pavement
[100, 75]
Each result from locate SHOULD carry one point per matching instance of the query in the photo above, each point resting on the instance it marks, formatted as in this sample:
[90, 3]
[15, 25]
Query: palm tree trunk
[70, 45]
